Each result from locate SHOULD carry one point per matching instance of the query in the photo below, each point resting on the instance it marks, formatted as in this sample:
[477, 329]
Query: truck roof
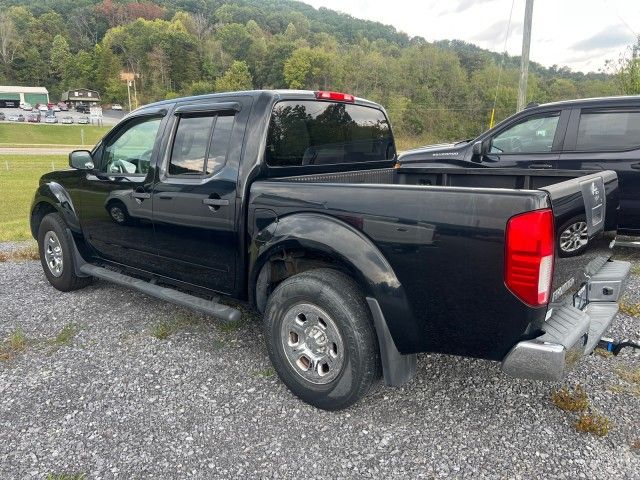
[282, 94]
[593, 102]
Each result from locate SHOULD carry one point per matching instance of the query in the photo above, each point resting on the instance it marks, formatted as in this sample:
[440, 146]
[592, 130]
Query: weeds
[575, 400]
[630, 309]
[266, 373]
[230, 327]
[593, 423]
[66, 476]
[164, 329]
[64, 337]
[29, 252]
[630, 375]
[15, 344]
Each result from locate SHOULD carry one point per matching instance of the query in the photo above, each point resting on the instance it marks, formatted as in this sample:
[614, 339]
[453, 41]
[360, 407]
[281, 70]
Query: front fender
[54, 195]
[350, 247]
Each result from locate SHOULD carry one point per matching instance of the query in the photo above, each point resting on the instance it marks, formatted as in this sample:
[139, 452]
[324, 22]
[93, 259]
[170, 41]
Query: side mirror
[480, 149]
[81, 160]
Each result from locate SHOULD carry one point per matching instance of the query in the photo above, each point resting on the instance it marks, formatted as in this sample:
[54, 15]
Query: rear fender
[335, 239]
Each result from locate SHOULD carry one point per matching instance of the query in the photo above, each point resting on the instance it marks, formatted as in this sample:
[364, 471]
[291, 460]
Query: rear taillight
[337, 96]
[529, 256]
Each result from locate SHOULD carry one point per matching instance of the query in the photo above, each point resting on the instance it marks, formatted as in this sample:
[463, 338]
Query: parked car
[15, 117]
[289, 200]
[83, 120]
[55, 108]
[116, 106]
[42, 107]
[81, 108]
[27, 107]
[33, 118]
[589, 134]
[2, 116]
[50, 117]
[63, 107]
[67, 119]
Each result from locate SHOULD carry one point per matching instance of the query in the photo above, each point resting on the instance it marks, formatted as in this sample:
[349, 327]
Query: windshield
[304, 133]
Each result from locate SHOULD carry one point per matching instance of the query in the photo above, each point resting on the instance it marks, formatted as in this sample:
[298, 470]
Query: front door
[532, 142]
[115, 207]
[194, 198]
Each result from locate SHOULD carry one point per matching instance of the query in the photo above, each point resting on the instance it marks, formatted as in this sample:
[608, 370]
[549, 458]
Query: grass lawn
[17, 186]
[30, 134]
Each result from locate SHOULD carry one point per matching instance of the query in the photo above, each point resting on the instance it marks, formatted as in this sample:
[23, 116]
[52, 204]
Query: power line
[504, 54]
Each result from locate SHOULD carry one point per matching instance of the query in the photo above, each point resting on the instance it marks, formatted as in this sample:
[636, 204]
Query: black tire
[67, 280]
[341, 299]
[565, 227]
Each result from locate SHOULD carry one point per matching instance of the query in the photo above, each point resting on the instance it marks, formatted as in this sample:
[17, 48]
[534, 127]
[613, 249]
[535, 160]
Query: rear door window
[200, 144]
[608, 130]
[307, 133]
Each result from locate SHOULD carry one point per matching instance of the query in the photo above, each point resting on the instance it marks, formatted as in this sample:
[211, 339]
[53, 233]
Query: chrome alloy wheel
[53, 253]
[574, 237]
[312, 343]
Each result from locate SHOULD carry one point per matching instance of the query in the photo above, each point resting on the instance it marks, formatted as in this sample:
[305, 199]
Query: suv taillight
[529, 256]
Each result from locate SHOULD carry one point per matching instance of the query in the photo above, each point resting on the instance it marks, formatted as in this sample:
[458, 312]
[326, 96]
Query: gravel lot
[116, 402]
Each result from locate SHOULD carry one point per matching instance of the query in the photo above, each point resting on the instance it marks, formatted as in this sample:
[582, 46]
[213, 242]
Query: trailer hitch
[614, 347]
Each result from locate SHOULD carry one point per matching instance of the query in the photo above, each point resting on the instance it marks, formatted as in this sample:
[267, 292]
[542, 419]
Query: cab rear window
[307, 133]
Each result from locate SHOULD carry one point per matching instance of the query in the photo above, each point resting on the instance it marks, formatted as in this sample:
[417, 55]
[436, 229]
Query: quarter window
[606, 131]
[532, 135]
[200, 144]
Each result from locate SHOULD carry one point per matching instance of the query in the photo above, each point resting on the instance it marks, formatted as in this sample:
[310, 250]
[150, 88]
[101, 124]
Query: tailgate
[585, 215]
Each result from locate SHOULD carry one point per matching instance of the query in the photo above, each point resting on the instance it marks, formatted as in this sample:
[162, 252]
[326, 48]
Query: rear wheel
[321, 339]
[56, 255]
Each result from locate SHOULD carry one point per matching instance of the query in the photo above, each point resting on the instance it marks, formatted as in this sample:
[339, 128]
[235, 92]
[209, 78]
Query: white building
[12, 96]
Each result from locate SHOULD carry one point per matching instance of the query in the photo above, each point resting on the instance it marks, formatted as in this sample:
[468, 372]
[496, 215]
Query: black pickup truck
[591, 134]
[290, 200]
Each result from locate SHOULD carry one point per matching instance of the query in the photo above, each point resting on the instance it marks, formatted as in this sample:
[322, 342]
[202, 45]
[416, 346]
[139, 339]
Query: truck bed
[442, 231]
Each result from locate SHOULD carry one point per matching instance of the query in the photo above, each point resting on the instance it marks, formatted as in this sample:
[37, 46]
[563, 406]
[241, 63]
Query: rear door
[195, 195]
[608, 139]
[533, 141]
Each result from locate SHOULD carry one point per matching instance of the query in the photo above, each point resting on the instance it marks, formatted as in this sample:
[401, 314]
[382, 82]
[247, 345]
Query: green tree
[236, 78]
[60, 56]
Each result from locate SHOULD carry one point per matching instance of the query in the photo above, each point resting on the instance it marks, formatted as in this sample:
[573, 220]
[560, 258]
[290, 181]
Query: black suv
[588, 134]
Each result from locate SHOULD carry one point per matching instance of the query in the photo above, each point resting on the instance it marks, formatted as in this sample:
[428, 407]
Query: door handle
[215, 202]
[540, 165]
[635, 166]
[141, 195]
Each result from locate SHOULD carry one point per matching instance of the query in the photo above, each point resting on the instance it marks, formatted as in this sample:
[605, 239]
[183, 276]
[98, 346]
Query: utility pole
[524, 59]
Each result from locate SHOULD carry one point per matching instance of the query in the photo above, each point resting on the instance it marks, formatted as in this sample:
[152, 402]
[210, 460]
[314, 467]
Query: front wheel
[321, 340]
[56, 255]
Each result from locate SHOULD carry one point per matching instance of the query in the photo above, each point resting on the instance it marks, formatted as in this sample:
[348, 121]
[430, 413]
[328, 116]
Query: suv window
[326, 133]
[200, 144]
[532, 135]
[129, 151]
[602, 131]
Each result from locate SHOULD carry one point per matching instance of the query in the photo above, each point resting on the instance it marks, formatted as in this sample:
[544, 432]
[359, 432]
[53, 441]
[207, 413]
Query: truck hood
[429, 153]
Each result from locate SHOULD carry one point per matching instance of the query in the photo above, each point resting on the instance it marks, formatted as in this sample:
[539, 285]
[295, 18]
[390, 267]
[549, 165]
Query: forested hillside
[433, 91]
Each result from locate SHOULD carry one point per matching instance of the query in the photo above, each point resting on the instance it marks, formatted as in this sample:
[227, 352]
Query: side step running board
[217, 310]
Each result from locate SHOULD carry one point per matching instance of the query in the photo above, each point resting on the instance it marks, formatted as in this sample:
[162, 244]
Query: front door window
[129, 151]
[533, 135]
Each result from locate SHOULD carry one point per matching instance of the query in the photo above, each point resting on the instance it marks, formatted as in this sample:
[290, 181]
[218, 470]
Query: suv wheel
[321, 339]
[56, 255]
[573, 237]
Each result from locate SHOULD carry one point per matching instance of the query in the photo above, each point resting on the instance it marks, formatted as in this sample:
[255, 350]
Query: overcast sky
[581, 34]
